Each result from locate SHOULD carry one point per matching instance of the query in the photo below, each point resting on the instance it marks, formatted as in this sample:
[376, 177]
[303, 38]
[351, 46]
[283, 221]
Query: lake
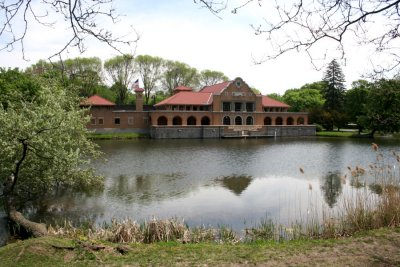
[230, 182]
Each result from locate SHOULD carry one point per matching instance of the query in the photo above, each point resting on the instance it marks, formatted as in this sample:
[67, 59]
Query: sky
[184, 31]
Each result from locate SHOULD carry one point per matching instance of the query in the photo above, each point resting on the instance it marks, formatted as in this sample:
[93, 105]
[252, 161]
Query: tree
[43, 146]
[177, 74]
[303, 99]
[150, 70]
[312, 26]
[276, 96]
[84, 19]
[121, 71]
[211, 77]
[334, 87]
[356, 103]
[383, 107]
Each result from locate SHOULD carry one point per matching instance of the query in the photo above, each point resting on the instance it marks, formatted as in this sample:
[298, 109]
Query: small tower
[139, 99]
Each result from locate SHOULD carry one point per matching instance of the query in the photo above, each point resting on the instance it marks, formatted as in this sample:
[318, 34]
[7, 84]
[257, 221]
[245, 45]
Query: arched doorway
[227, 120]
[205, 120]
[238, 120]
[289, 121]
[191, 120]
[278, 121]
[177, 121]
[162, 121]
[300, 121]
[249, 120]
[267, 121]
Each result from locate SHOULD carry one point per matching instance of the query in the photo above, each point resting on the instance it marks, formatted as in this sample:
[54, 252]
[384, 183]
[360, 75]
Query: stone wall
[189, 132]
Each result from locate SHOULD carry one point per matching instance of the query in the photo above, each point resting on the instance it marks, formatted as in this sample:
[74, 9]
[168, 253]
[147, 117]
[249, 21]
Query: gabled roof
[216, 88]
[270, 102]
[96, 100]
[188, 98]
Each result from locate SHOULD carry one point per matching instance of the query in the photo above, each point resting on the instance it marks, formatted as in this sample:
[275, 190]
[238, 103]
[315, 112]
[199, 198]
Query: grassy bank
[378, 247]
[337, 134]
[110, 136]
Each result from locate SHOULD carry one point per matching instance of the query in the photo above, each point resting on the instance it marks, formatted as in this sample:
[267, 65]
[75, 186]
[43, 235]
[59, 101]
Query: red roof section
[96, 100]
[216, 88]
[183, 88]
[188, 98]
[270, 102]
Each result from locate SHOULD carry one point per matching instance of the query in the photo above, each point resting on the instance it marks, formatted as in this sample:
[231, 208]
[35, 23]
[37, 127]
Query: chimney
[139, 99]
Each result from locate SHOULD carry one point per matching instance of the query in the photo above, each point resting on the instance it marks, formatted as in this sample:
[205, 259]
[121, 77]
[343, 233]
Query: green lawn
[108, 136]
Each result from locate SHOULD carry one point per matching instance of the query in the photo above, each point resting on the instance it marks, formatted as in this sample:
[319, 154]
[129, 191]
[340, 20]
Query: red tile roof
[96, 100]
[188, 98]
[216, 88]
[269, 102]
[183, 88]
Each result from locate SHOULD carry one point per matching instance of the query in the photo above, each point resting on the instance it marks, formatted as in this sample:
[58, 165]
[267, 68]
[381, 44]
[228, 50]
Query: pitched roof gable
[96, 100]
[188, 98]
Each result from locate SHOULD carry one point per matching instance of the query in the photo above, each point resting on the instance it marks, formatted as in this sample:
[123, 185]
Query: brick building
[227, 109]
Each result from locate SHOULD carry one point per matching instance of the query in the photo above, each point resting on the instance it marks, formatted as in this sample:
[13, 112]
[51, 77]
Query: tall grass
[372, 202]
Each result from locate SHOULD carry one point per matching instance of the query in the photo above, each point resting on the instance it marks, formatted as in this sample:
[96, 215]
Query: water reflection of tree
[331, 188]
[236, 183]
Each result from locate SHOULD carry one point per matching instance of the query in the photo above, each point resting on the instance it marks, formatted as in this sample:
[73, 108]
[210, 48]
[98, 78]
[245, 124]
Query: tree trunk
[36, 229]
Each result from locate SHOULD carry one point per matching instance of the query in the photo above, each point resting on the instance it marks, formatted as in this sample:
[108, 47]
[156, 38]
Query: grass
[337, 133]
[359, 250]
[109, 136]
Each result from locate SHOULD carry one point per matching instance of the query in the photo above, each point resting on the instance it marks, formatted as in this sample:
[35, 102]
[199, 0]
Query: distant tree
[256, 91]
[177, 74]
[356, 103]
[150, 70]
[383, 107]
[210, 77]
[303, 99]
[334, 87]
[315, 85]
[276, 96]
[43, 147]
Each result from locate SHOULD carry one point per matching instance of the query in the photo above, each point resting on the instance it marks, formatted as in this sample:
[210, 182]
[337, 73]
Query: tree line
[114, 78]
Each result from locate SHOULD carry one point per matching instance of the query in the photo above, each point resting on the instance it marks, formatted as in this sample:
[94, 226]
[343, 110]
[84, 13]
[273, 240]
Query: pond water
[235, 182]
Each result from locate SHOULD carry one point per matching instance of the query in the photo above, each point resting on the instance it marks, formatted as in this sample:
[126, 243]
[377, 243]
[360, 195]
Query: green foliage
[356, 102]
[11, 81]
[303, 99]
[211, 77]
[177, 74]
[51, 130]
[383, 107]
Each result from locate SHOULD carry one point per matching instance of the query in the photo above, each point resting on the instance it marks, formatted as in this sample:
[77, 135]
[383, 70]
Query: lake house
[227, 109]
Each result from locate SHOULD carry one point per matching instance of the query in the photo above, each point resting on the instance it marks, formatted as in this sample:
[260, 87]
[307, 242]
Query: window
[93, 121]
[177, 121]
[191, 121]
[117, 121]
[226, 106]
[205, 121]
[100, 121]
[162, 121]
[146, 120]
[250, 107]
[130, 120]
[238, 106]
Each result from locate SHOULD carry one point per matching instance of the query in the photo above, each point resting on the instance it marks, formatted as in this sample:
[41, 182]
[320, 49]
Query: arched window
[289, 121]
[162, 121]
[267, 121]
[249, 120]
[177, 121]
[238, 120]
[191, 120]
[227, 120]
[300, 121]
[278, 121]
[205, 120]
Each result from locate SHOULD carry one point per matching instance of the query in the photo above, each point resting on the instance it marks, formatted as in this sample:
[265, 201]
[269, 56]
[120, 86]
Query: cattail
[310, 187]
[301, 170]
